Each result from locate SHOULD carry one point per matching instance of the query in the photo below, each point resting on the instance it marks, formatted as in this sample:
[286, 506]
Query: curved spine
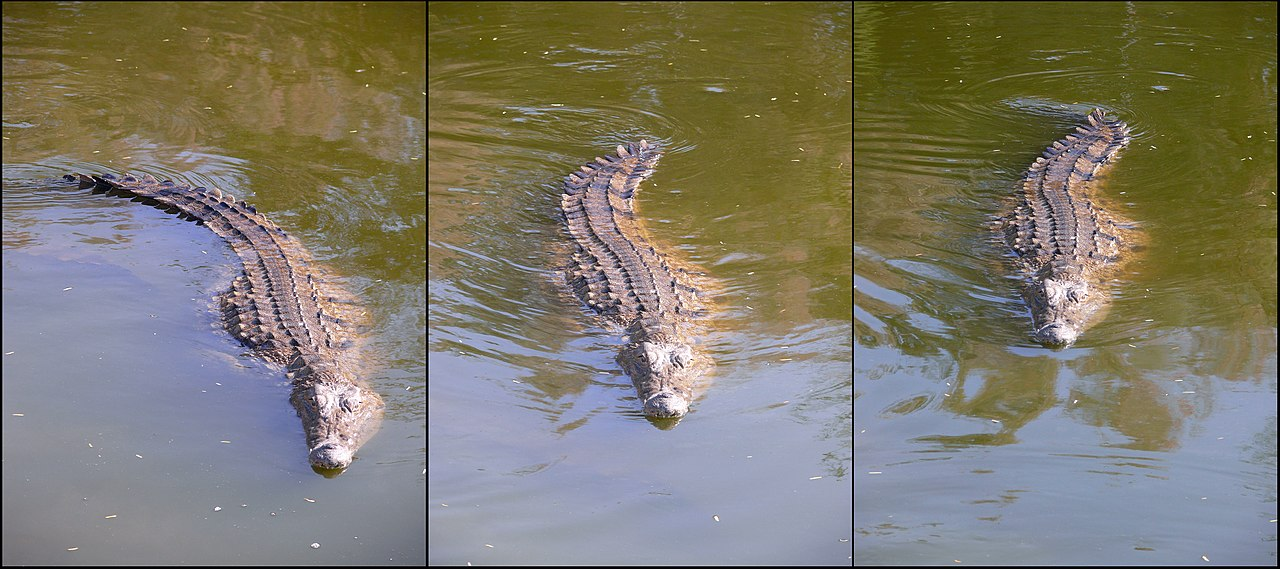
[1067, 244]
[618, 273]
[279, 307]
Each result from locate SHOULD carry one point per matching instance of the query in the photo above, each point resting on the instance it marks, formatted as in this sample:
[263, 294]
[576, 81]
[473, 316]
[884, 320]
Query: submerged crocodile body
[1068, 246]
[616, 272]
[278, 307]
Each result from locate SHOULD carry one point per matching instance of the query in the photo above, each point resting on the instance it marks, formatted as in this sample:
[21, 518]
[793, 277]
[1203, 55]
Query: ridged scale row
[615, 270]
[278, 307]
[1056, 226]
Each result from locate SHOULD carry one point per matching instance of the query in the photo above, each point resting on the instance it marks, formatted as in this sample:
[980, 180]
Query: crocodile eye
[1054, 292]
[682, 356]
[1078, 293]
[652, 352]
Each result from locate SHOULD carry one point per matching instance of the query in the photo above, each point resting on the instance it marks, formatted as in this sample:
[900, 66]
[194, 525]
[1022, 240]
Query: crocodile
[618, 274]
[1068, 246]
[280, 307]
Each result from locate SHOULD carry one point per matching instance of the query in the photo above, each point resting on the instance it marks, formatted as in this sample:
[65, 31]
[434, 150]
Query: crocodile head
[663, 367]
[339, 416]
[1063, 307]
[664, 377]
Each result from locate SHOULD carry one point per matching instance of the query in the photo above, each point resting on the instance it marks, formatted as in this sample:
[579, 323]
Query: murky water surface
[1153, 439]
[137, 430]
[539, 452]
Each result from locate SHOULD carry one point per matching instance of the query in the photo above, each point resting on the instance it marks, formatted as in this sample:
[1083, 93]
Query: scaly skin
[1068, 246]
[278, 307]
[619, 274]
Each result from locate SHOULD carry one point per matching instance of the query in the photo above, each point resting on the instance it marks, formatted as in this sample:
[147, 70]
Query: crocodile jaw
[666, 405]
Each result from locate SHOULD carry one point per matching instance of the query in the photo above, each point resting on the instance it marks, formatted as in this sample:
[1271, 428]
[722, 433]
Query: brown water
[1153, 439]
[136, 430]
[539, 452]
